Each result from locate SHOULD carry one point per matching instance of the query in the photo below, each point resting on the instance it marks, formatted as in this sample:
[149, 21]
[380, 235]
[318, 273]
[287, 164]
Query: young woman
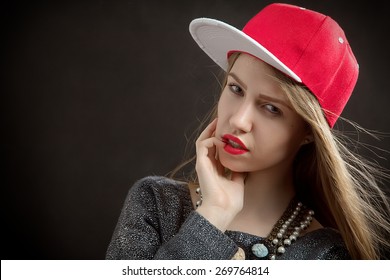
[272, 179]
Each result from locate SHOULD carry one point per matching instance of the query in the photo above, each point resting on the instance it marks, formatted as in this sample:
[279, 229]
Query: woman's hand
[222, 196]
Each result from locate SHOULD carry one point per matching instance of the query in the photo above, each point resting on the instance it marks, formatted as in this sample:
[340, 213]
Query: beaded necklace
[296, 218]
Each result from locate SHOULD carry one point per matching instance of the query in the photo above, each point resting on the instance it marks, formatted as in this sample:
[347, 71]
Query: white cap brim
[217, 39]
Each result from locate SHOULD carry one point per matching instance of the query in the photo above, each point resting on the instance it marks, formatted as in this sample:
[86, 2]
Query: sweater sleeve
[145, 230]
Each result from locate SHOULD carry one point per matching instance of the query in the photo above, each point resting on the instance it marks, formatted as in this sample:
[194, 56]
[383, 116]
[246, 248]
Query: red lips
[234, 145]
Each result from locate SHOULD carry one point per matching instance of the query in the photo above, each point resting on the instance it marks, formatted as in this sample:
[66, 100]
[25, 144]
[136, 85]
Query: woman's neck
[266, 191]
[266, 197]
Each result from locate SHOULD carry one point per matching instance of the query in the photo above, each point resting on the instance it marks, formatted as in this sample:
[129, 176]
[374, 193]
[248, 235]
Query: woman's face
[258, 127]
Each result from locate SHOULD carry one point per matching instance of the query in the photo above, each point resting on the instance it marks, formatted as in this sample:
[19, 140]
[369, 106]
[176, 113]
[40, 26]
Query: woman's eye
[235, 89]
[272, 109]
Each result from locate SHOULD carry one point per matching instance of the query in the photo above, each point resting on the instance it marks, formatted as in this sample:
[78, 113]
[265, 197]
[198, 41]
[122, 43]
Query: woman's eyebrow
[238, 80]
[260, 95]
[274, 100]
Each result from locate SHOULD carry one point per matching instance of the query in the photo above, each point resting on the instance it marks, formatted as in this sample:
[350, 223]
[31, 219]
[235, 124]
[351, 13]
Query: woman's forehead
[257, 75]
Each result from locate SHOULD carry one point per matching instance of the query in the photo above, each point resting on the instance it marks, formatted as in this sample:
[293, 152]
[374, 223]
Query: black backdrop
[97, 94]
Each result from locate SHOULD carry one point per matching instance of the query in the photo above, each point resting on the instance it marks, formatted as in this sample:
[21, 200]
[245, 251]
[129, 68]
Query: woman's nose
[242, 118]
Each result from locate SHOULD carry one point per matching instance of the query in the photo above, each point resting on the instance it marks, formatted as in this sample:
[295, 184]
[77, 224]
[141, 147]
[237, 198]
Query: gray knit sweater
[158, 221]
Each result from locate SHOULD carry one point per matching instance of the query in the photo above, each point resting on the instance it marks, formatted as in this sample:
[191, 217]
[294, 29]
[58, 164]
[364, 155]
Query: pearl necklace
[287, 229]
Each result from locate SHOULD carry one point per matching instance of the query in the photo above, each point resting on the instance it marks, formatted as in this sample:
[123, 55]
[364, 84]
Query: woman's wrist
[217, 216]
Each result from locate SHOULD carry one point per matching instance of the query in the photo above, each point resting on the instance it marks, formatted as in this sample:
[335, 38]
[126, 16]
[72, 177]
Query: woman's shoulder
[159, 184]
[164, 191]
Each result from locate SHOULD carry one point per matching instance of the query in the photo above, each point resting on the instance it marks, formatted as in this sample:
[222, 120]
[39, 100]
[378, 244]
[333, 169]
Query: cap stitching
[311, 39]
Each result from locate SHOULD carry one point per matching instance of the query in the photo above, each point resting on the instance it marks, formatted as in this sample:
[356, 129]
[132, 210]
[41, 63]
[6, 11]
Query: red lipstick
[234, 145]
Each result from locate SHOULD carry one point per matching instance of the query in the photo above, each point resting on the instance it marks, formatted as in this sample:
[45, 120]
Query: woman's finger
[206, 154]
[208, 131]
[206, 147]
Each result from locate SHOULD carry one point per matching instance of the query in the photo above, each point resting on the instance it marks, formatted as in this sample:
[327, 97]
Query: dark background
[97, 94]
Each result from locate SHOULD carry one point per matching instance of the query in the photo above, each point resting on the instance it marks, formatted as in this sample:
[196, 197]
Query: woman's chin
[233, 165]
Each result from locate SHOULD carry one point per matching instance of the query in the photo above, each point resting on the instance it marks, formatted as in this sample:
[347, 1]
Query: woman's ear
[308, 139]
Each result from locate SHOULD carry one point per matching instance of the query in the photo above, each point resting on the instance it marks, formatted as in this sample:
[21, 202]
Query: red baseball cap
[306, 45]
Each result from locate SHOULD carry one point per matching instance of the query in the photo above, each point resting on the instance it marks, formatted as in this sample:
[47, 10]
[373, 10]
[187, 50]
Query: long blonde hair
[340, 186]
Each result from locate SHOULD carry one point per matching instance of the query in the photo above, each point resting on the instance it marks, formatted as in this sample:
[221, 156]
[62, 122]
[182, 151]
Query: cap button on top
[341, 40]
